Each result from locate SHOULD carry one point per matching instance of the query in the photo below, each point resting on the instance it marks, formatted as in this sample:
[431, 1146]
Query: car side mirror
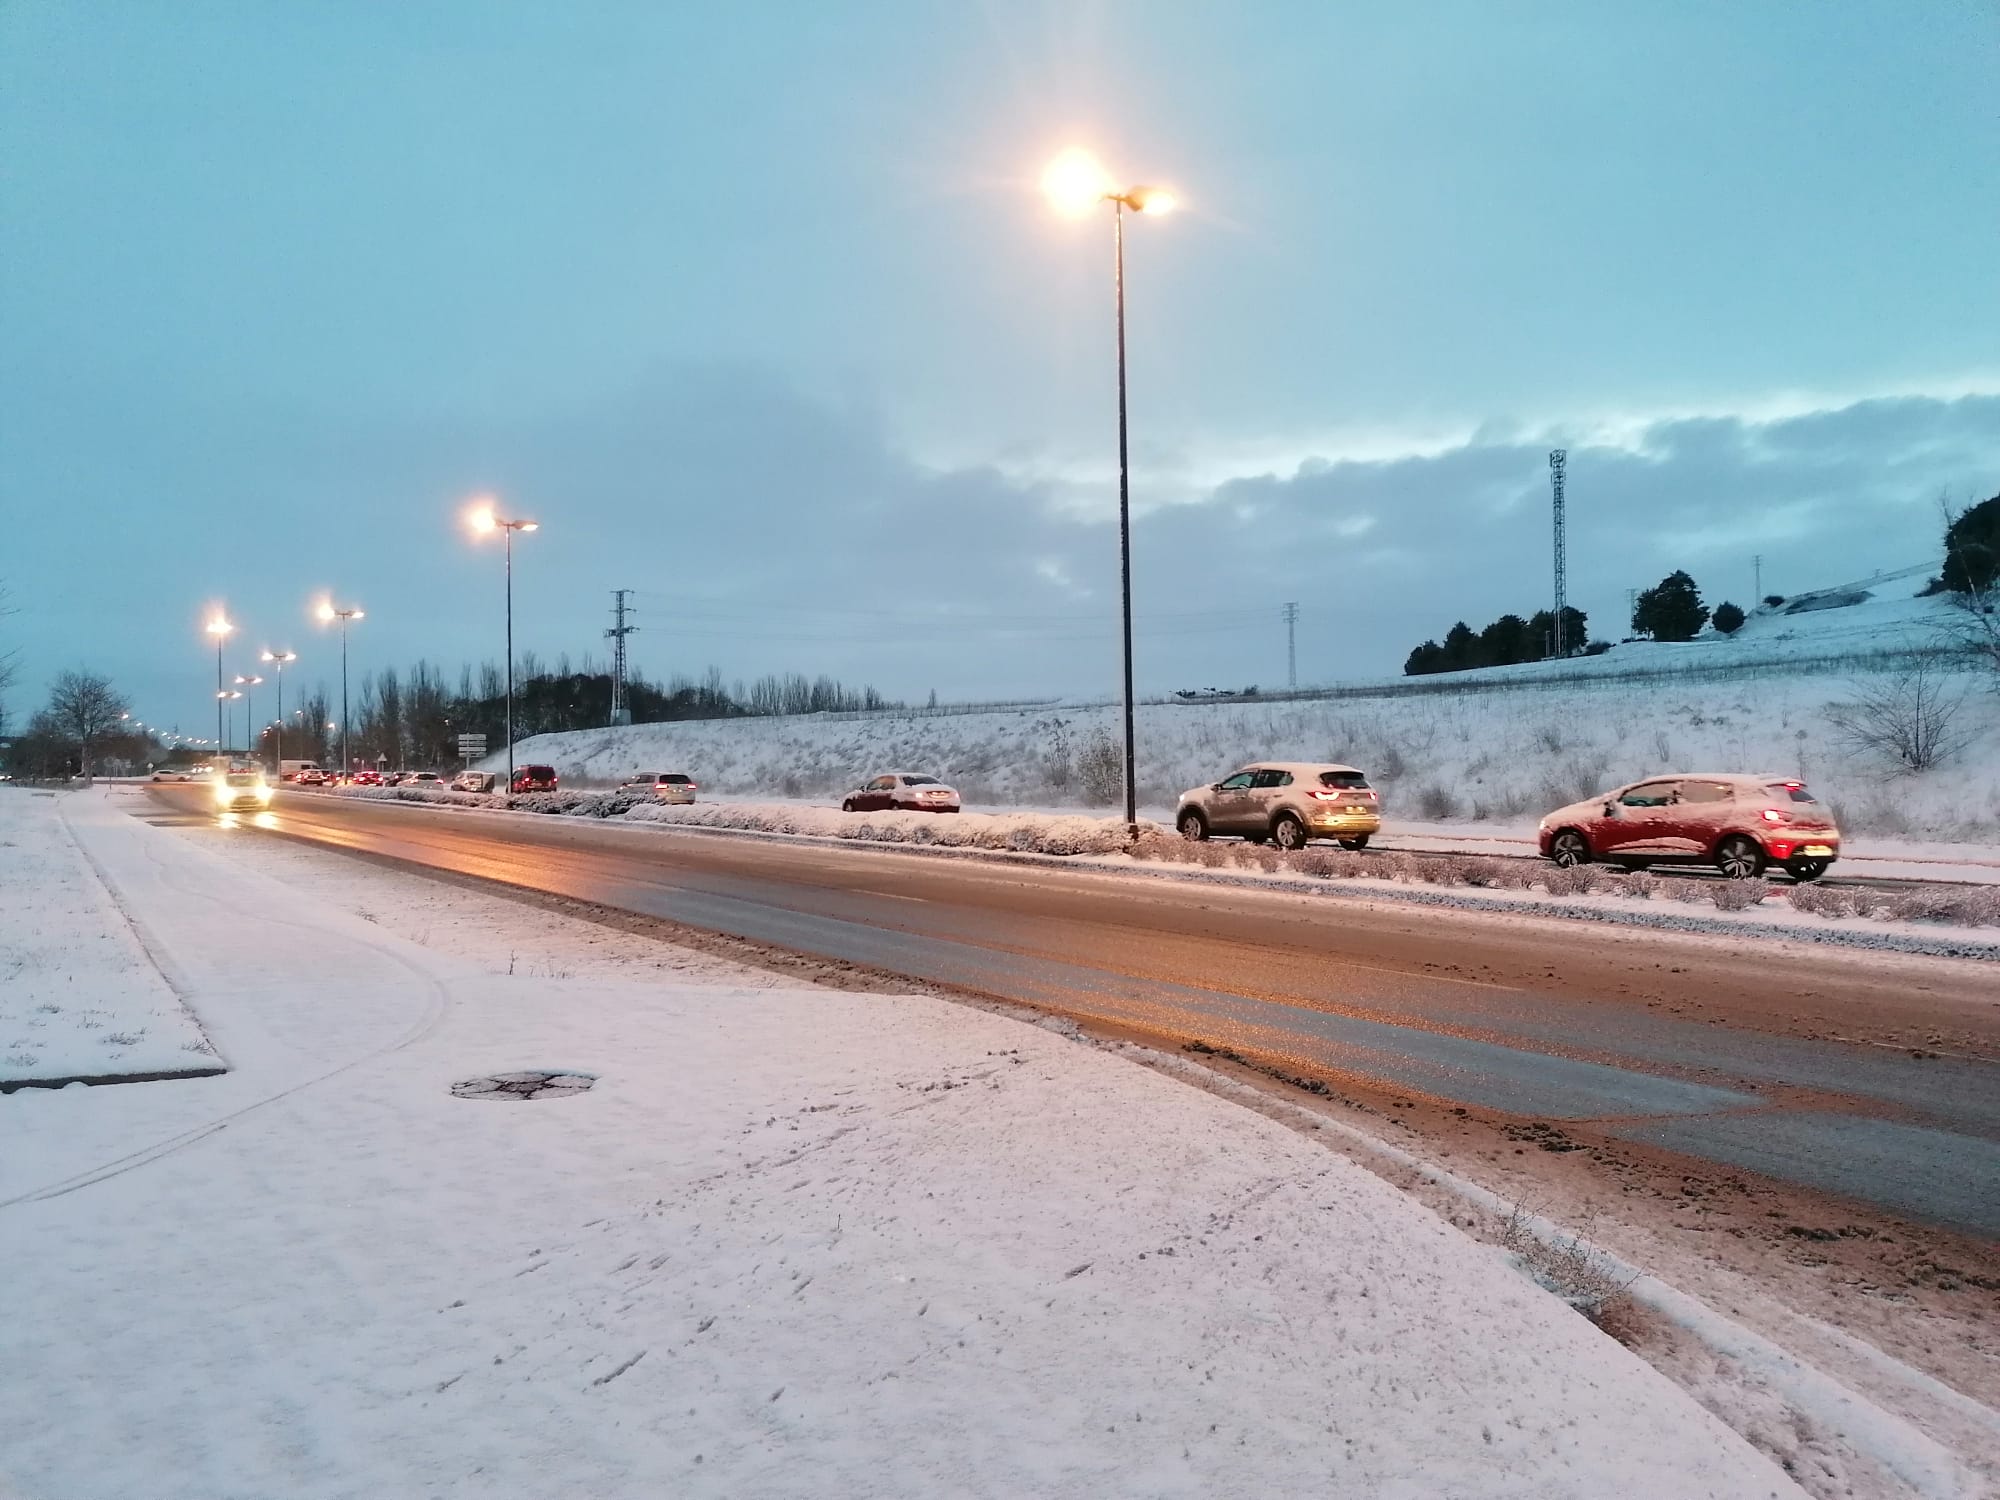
[1611, 809]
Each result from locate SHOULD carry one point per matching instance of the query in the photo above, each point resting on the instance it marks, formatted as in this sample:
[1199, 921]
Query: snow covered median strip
[79, 998]
[1022, 833]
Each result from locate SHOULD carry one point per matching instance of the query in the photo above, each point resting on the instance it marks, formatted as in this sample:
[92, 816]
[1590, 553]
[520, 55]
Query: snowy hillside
[1498, 744]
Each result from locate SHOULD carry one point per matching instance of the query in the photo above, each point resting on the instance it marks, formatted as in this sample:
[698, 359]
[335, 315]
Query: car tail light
[1772, 815]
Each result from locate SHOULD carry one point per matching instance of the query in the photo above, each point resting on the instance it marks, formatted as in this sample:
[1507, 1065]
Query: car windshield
[674, 778]
[920, 781]
[1343, 779]
[241, 778]
[1795, 790]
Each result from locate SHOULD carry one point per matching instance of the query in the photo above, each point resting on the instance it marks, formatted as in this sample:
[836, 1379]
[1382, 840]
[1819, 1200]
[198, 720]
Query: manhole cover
[526, 1085]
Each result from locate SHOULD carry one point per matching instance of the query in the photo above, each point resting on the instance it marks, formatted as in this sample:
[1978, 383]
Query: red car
[533, 779]
[1740, 824]
[365, 778]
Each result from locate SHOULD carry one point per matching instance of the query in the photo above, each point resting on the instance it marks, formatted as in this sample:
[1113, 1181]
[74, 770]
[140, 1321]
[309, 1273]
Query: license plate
[1817, 850]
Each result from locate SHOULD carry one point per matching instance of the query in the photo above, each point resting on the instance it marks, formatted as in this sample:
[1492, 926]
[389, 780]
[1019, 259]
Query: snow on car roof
[1307, 766]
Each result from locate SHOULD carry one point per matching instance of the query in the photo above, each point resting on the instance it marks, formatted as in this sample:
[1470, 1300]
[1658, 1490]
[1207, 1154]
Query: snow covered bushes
[1030, 833]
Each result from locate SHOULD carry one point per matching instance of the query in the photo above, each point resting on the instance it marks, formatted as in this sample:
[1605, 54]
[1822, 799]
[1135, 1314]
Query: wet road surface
[1849, 1074]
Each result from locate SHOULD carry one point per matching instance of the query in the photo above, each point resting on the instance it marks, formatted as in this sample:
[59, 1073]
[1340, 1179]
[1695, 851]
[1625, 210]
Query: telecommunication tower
[1291, 614]
[621, 711]
[1558, 460]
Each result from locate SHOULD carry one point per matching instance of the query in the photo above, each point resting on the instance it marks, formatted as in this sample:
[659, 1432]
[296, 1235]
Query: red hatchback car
[1740, 824]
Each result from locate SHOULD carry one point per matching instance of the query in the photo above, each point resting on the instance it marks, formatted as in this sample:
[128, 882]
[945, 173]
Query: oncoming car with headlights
[238, 789]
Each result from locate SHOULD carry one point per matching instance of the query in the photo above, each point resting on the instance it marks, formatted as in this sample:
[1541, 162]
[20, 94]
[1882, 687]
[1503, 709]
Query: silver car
[1288, 802]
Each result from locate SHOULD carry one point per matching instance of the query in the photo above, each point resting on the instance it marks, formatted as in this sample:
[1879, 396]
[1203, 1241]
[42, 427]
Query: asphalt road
[1872, 1078]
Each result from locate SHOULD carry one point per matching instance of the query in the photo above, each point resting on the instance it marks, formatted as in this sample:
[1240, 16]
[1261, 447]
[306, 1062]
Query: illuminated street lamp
[484, 521]
[278, 659]
[1075, 184]
[219, 627]
[329, 612]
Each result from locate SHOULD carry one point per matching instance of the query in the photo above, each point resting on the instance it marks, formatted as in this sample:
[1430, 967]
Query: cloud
[768, 531]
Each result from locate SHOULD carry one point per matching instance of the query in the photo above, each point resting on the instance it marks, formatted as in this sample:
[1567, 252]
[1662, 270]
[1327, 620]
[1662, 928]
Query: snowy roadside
[79, 998]
[792, 1241]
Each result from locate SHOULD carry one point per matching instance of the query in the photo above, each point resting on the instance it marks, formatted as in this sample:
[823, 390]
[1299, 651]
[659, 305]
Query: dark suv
[533, 779]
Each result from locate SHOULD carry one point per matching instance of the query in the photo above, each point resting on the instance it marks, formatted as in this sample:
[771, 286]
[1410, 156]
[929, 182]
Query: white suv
[1288, 802]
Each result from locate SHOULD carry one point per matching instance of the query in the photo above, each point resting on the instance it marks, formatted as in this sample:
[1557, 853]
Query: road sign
[472, 744]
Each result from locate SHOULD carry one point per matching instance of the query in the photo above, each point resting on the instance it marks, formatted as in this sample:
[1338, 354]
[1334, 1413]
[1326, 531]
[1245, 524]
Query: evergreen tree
[1671, 610]
[1972, 548]
[1728, 618]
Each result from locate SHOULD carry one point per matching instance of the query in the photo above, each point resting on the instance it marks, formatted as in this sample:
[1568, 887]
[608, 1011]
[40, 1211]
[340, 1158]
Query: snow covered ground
[78, 996]
[1493, 747]
[793, 1241]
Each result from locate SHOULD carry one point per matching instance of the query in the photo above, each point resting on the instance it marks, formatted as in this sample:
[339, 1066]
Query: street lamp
[249, 684]
[1076, 184]
[222, 701]
[278, 659]
[328, 613]
[484, 521]
[219, 627]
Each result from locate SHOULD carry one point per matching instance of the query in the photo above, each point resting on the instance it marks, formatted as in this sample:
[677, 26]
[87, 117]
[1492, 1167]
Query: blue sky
[756, 308]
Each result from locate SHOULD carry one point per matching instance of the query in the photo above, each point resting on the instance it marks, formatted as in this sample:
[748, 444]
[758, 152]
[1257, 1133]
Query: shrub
[1970, 908]
[1586, 1279]
[1559, 882]
[1639, 885]
[1909, 718]
[1101, 768]
[1437, 801]
[1728, 618]
[1820, 900]
[1484, 870]
[1687, 892]
[1738, 895]
[1318, 863]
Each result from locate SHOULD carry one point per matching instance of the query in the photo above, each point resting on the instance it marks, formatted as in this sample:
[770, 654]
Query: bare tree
[84, 708]
[1908, 716]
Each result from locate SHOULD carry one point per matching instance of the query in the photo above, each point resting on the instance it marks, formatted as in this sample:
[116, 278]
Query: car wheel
[1803, 870]
[1634, 866]
[1569, 849]
[848, 805]
[1739, 858]
[1357, 843]
[1193, 826]
[1287, 832]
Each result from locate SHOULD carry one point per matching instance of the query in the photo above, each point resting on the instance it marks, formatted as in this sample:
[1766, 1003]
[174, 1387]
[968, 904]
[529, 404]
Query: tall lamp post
[329, 612]
[485, 521]
[249, 686]
[278, 660]
[219, 627]
[1076, 184]
[222, 701]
